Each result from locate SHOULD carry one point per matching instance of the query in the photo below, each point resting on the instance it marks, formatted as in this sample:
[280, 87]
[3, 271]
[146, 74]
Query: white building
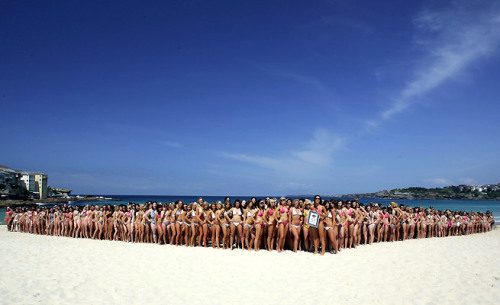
[28, 181]
[35, 183]
[41, 185]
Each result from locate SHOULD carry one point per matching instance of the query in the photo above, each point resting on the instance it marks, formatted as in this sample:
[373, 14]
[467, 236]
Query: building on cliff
[34, 182]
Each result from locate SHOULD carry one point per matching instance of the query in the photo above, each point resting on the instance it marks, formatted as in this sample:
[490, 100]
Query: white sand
[58, 270]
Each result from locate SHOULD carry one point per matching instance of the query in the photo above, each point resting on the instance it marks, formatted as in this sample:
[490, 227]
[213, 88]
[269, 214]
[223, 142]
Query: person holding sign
[317, 233]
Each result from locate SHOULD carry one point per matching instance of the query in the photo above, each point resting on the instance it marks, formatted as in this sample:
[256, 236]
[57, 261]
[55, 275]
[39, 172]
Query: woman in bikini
[331, 226]
[153, 219]
[124, 219]
[164, 222]
[372, 224]
[349, 225]
[363, 224]
[217, 223]
[76, 222]
[313, 232]
[341, 224]
[211, 223]
[82, 220]
[283, 220]
[91, 222]
[158, 222]
[386, 222]
[260, 222]
[319, 233]
[116, 222]
[379, 223]
[402, 223]
[237, 225]
[131, 222]
[305, 226]
[99, 223]
[169, 222]
[34, 223]
[189, 221]
[145, 226]
[226, 221]
[178, 212]
[358, 220]
[204, 224]
[39, 221]
[271, 213]
[248, 219]
[9, 218]
[393, 220]
[296, 220]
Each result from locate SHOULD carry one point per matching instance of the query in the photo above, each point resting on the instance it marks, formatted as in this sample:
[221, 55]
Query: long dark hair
[320, 200]
[238, 201]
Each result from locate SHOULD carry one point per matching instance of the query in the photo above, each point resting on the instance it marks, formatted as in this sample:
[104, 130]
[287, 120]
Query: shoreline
[14, 202]
[440, 267]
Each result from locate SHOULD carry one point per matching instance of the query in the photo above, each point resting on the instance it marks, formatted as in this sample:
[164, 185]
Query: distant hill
[460, 192]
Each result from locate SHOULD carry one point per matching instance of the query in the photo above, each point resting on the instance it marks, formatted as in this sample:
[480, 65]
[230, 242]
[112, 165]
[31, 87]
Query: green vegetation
[448, 192]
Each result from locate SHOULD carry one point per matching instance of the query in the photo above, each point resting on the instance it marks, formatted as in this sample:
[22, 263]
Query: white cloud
[297, 77]
[317, 152]
[467, 181]
[452, 40]
[172, 144]
[439, 181]
[305, 79]
[266, 162]
[319, 149]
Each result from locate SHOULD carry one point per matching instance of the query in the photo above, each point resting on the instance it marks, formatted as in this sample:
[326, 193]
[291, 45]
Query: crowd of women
[268, 223]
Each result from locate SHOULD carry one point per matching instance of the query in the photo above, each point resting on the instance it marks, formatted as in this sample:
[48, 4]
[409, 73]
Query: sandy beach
[59, 270]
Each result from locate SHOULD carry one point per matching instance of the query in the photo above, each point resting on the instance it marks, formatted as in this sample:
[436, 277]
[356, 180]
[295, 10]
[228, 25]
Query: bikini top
[350, 212]
[249, 214]
[330, 214]
[283, 210]
[213, 215]
[294, 212]
[260, 213]
[271, 212]
[238, 211]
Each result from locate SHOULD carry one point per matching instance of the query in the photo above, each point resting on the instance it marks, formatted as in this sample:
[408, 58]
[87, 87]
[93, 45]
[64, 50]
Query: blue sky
[257, 97]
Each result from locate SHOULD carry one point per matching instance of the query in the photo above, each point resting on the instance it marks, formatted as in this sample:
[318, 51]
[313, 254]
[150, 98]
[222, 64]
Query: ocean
[460, 205]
